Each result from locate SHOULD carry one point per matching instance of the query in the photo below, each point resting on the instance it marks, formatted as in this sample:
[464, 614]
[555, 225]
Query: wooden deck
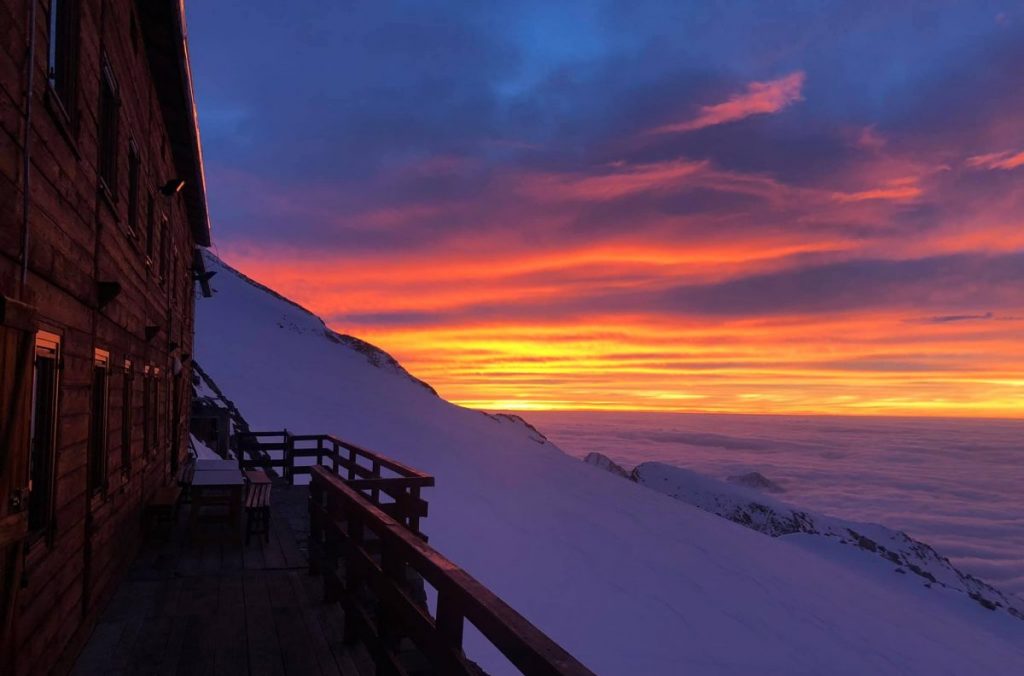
[220, 607]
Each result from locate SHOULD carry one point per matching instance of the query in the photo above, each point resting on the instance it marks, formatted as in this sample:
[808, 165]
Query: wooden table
[217, 483]
[204, 464]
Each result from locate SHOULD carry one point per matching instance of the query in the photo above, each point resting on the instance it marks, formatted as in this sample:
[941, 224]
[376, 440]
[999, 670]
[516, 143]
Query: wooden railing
[375, 567]
[390, 485]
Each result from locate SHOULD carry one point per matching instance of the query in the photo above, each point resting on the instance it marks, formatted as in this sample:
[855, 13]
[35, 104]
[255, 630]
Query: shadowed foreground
[217, 606]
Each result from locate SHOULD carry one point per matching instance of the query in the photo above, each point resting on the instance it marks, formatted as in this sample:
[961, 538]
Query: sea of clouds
[955, 484]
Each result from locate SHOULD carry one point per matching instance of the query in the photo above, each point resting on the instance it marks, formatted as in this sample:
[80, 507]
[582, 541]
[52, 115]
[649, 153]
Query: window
[126, 417]
[133, 187]
[174, 282]
[149, 408]
[45, 385]
[156, 408]
[147, 411]
[149, 229]
[98, 422]
[108, 120]
[63, 50]
[164, 246]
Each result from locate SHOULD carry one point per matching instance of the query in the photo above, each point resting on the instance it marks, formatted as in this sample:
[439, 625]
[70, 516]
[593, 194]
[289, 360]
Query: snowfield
[629, 580]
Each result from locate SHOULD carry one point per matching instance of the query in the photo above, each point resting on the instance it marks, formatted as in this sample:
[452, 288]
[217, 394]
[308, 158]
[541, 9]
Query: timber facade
[102, 206]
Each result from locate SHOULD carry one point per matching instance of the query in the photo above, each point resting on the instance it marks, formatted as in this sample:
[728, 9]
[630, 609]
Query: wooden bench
[162, 509]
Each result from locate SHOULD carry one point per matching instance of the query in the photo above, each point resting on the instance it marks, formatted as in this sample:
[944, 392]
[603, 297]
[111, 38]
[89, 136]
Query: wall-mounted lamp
[203, 277]
[172, 187]
[151, 331]
[106, 292]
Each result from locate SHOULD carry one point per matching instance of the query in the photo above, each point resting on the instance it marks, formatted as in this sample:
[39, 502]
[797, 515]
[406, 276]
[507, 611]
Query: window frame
[62, 55]
[99, 424]
[108, 132]
[150, 229]
[134, 187]
[41, 508]
[165, 227]
[127, 417]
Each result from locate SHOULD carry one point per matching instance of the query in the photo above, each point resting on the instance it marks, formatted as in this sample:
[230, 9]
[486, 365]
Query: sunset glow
[768, 226]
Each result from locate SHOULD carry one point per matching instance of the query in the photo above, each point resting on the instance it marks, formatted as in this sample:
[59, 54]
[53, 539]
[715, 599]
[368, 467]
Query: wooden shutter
[17, 339]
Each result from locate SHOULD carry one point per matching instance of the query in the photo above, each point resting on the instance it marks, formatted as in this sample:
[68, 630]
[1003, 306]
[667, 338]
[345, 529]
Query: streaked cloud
[759, 98]
[1006, 160]
[478, 189]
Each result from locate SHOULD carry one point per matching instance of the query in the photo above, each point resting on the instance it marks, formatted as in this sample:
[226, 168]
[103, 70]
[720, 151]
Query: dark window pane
[98, 428]
[149, 228]
[108, 121]
[44, 417]
[126, 418]
[133, 187]
[62, 54]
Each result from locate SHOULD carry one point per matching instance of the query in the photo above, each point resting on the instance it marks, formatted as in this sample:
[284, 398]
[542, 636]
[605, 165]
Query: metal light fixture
[106, 292]
[172, 187]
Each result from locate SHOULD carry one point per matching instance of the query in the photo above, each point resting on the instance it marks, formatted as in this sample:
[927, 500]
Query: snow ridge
[739, 502]
[307, 322]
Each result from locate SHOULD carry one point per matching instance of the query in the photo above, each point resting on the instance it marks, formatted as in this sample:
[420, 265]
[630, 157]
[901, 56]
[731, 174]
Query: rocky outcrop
[757, 481]
[606, 463]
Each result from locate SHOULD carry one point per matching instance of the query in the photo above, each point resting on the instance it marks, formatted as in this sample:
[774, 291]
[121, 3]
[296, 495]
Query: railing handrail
[407, 506]
[460, 596]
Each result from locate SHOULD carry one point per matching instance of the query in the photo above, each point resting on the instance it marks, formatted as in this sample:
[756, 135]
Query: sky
[758, 207]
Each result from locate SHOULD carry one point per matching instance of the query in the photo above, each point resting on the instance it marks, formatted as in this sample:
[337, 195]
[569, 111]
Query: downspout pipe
[26, 202]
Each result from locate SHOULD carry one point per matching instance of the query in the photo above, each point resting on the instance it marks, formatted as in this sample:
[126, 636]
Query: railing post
[352, 464]
[319, 450]
[334, 458]
[316, 533]
[387, 625]
[353, 576]
[289, 456]
[375, 492]
[450, 621]
[413, 519]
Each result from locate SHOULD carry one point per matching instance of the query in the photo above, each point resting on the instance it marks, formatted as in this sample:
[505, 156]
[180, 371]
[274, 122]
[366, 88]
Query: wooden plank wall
[79, 237]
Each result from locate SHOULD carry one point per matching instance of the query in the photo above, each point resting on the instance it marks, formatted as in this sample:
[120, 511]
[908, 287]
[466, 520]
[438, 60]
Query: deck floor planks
[222, 608]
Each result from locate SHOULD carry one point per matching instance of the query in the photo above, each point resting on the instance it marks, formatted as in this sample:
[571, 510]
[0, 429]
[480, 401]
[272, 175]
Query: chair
[185, 475]
[162, 510]
[257, 505]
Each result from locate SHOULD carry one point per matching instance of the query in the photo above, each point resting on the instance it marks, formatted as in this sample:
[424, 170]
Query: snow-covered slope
[628, 580]
[749, 507]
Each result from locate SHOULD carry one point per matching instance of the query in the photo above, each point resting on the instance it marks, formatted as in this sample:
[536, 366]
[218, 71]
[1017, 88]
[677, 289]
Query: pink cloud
[622, 180]
[868, 138]
[1006, 160]
[899, 190]
[760, 98]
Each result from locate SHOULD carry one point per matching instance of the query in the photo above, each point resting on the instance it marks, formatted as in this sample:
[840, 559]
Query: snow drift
[628, 580]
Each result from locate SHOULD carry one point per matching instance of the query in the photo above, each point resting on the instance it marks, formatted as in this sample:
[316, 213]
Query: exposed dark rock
[607, 464]
[757, 481]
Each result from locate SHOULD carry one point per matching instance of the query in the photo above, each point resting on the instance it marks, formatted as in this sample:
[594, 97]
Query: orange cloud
[897, 193]
[760, 98]
[1006, 160]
